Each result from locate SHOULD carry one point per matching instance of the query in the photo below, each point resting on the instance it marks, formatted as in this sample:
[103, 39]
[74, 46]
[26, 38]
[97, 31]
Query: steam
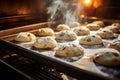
[65, 11]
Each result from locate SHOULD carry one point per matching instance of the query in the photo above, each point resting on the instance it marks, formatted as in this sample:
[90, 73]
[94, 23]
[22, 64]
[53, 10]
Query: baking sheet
[84, 62]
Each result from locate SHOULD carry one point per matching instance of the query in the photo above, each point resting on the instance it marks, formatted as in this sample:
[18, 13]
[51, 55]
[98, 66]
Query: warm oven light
[82, 16]
[87, 2]
[97, 3]
[92, 3]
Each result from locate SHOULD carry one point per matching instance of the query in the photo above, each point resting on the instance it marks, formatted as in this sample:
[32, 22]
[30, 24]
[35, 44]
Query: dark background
[15, 13]
[22, 7]
[110, 9]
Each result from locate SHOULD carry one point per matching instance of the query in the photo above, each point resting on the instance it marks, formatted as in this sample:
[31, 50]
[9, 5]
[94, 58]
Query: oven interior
[18, 13]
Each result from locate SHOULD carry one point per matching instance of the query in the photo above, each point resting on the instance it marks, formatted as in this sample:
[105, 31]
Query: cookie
[100, 23]
[66, 35]
[61, 27]
[45, 43]
[25, 37]
[45, 32]
[91, 40]
[107, 57]
[93, 27]
[105, 33]
[116, 24]
[113, 28]
[69, 50]
[74, 24]
[81, 31]
[115, 44]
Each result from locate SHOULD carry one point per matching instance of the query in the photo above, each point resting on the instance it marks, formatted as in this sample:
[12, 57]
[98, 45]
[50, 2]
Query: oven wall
[22, 12]
[109, 9]
[21, 7]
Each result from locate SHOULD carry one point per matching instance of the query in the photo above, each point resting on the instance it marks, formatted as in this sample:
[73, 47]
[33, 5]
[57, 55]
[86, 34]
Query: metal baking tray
[77, 67]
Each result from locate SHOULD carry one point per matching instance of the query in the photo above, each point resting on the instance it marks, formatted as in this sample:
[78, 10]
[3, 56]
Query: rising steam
[65, 11]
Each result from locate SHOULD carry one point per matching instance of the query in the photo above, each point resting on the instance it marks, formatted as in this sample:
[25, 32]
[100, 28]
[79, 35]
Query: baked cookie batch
[46, 38]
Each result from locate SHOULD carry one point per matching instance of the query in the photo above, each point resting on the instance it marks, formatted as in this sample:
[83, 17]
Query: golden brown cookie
[74, 24]
[100, 23]
[81, 31]
[45, 43]
[107, 57]
[66, 35]
[61, 27]
[115, 44]
[70, 50]
[25, 37]
[115, 29]
[91, 40]
[93, 27]
[105, 33]
[116, 24]
[45, 32]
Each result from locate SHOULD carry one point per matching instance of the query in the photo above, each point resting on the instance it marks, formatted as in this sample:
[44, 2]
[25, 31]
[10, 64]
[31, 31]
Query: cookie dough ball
[45, 43]
[66, 35]
[45, 32]
[93, 27]
[25, 37]
[69, 50]
[116, 24]
[118, 37]
[91, 40]
[115, 29]
[81, 31]
[105, 33]
[61, 27]
[74, 24]
[107, 57]
[115, 44]
[100, 23]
